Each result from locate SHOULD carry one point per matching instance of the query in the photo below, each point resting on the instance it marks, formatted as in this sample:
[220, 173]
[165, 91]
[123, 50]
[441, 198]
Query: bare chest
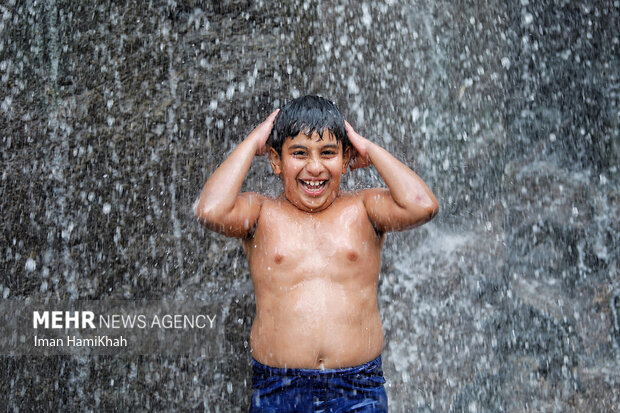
[290, 241]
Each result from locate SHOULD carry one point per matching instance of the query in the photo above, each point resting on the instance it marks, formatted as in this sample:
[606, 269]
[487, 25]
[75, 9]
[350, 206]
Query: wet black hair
[307, 114]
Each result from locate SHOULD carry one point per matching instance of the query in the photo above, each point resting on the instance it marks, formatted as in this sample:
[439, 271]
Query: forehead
[313, 140]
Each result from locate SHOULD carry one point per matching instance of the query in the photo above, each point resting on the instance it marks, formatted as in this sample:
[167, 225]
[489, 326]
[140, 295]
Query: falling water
[113, 115]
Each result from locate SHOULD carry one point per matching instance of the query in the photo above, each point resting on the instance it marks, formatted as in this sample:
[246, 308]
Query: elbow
[195, 208]
[200, 212]
[426, 214]
[428, 205]
[432, 212]
[433, 209]
[419, 215]
[206, 214]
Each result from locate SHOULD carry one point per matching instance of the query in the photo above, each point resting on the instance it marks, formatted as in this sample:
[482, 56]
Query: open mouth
[313, 187]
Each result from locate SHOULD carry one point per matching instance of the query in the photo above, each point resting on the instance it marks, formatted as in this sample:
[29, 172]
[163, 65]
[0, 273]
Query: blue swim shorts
[351, 389]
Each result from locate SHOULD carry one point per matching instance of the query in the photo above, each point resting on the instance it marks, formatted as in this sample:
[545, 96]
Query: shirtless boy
[314, 255]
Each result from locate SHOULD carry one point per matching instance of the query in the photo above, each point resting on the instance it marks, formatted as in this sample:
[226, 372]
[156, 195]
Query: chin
[317, 207]
[303, 202]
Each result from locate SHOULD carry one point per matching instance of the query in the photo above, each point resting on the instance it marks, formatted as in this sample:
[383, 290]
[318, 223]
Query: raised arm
[408, 201]
[220, 206]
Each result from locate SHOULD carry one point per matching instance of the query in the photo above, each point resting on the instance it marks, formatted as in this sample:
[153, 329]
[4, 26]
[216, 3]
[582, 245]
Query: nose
[314, 166]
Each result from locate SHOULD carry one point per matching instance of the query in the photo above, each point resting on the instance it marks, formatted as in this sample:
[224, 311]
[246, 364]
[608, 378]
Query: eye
[299, 153]
[329, 152]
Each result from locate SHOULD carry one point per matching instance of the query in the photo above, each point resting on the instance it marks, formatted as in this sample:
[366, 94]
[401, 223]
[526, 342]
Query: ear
[346, 158]
[275, 160]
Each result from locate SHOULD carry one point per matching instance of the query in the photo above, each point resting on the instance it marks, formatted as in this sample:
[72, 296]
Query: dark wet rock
[113, 115]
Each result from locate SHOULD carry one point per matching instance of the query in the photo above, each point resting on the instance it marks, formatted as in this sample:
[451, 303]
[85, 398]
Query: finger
[268, 123]
[348, 128]
[273, 114]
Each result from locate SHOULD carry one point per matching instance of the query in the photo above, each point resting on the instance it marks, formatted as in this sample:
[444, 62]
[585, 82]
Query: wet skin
[311, 168]
[315, 279]
[315, 260]
[314, 253]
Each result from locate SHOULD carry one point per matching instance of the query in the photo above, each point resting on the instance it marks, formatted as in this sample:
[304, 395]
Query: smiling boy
[314, 255]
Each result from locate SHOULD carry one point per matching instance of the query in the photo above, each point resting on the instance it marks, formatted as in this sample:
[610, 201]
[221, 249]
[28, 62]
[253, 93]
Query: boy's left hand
[359, 155]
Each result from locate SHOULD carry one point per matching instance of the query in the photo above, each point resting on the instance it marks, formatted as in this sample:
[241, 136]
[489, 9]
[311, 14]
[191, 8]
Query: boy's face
[311, 169]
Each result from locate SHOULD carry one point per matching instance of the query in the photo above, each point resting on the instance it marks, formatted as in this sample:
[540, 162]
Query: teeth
[314, 183]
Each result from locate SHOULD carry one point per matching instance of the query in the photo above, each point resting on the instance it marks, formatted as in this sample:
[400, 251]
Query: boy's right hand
[261, 133]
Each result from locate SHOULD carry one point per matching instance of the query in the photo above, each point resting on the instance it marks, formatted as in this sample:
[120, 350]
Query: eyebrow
[331, 146]
[299, 146]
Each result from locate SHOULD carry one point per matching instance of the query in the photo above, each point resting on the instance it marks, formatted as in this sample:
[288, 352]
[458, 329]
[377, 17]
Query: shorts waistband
[371, 367]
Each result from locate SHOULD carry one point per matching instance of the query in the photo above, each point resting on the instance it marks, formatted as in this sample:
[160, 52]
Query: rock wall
[113, 115]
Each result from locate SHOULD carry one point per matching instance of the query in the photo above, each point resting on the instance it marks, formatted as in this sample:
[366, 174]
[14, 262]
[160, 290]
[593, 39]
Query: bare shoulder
[363, 196]
[272, 209]
[270, 204]
[355, 203]
[239, 221]
[373, 192]
[254, 197]
[348, 198]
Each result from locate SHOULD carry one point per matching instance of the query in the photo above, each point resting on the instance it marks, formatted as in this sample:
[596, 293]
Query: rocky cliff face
[114, 115]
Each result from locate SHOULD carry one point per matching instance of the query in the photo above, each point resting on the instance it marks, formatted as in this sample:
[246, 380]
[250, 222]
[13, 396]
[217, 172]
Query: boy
[314, 255]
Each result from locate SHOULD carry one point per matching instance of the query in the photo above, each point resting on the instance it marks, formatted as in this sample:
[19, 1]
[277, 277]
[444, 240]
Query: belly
[317, 323]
